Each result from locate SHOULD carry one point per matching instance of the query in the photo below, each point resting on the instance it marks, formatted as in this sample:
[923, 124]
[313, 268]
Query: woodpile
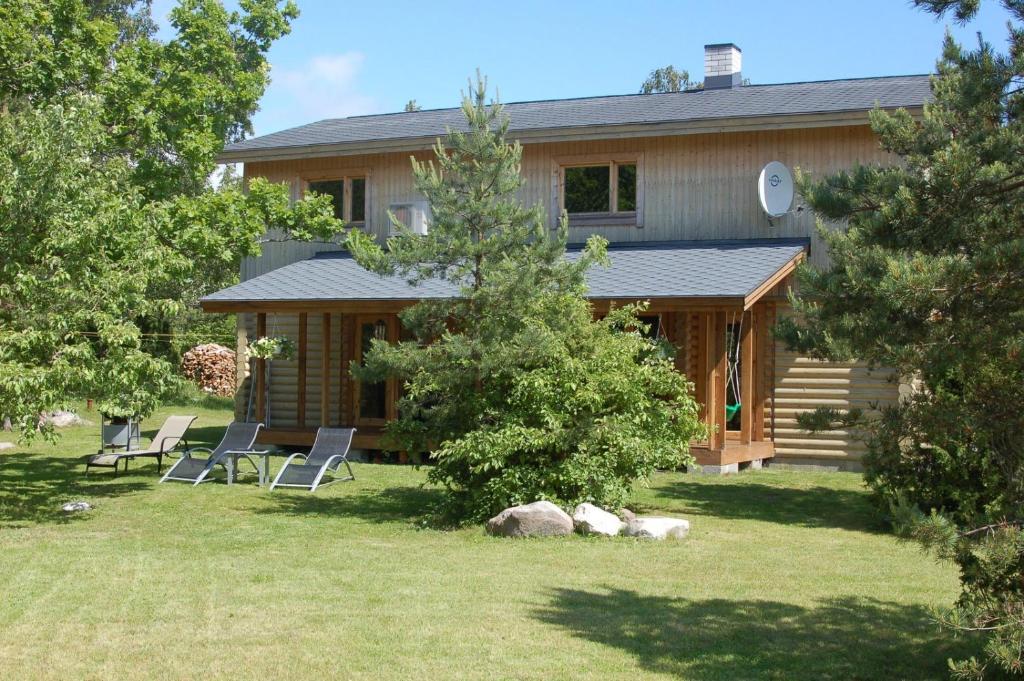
[211, 367]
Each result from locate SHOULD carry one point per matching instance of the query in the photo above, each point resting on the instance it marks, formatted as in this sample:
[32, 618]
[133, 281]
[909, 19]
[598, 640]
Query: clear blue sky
[349, 58]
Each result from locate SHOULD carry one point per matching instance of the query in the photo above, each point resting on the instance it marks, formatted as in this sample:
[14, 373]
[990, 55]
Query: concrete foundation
[809, 464]
[724, 469]
[729, 468]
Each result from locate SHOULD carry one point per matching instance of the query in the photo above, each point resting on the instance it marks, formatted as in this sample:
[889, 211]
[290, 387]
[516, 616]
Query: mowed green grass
[784, 576]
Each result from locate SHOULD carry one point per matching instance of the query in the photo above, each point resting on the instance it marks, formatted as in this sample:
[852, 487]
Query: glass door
[375, 402]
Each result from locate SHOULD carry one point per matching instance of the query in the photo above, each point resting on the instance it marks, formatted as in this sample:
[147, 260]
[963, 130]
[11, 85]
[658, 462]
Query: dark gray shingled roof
[832, 96]
[638, 270]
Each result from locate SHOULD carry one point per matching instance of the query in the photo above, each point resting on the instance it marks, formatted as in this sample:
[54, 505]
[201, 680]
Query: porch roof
[733, 272]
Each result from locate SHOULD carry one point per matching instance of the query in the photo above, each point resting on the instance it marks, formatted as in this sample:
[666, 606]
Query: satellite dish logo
[774, 180]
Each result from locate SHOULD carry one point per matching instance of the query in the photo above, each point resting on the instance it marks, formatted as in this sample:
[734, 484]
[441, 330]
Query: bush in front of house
[573, 411]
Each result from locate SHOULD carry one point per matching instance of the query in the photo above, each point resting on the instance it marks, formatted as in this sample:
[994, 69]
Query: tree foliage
[512, 388]
[927, 276]
[668, 79]
[108, 224]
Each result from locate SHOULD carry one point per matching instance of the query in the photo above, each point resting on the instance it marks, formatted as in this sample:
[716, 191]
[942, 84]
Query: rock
[539, 519]
[63, 419]
[590, 519]
[6, 445]
[76, 506]
[658, 528]
[627, 515]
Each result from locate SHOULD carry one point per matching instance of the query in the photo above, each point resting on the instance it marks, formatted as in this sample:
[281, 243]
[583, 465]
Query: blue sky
[351, 58]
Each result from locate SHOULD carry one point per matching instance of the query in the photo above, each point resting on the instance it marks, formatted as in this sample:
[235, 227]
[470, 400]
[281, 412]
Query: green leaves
[108, 226]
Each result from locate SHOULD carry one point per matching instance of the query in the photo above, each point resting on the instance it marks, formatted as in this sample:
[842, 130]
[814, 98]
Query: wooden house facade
[681, 170]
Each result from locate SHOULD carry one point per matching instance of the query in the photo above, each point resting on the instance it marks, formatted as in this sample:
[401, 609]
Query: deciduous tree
[108, 224]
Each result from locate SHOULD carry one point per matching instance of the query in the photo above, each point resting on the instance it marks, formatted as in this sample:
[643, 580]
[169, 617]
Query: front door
[374, 402]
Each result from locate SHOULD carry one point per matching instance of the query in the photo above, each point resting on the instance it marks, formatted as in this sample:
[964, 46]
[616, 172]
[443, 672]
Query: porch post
[261, 371]
[715, 351]
[747, 373]
[300, 415]
[761, 334]
[325, 369]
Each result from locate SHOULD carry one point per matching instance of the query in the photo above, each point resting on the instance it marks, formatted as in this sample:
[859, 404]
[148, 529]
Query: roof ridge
[622, 95]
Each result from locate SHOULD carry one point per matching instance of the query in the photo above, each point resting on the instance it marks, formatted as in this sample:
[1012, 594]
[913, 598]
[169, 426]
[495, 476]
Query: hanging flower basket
[278, 347]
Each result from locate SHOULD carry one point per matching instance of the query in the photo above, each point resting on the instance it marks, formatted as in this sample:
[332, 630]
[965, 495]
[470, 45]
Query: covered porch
[715, 302]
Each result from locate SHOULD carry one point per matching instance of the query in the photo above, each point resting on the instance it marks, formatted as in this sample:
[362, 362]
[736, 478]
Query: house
[668, 179]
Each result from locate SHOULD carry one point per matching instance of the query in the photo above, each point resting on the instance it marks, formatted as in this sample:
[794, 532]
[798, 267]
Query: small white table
[231, 465]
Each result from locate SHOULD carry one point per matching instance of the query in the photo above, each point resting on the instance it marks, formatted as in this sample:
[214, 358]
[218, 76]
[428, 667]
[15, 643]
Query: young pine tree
[510, 386]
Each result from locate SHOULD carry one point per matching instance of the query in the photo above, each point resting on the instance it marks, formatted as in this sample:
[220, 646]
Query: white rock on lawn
[658, 528]
[539, 519]
[76, 506]
[63, 419]
[6, 445]
[590, 519]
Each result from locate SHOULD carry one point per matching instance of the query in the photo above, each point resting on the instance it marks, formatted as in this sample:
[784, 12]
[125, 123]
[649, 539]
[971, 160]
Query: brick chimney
[722, 64]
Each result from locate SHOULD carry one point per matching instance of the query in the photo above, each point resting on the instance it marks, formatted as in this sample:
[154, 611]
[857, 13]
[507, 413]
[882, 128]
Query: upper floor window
[348, 194]
[597, 191]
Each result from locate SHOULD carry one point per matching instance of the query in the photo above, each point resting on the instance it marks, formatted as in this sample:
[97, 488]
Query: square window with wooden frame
[600, 192]
[348, 194]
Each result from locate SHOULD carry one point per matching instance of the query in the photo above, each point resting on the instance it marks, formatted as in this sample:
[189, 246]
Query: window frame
[345, 176]
[611, 218]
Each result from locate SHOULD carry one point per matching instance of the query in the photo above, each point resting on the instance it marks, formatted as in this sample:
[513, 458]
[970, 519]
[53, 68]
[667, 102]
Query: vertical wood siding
[694, 186]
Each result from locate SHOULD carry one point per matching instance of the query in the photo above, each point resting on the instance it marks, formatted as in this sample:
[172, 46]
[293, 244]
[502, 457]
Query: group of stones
[544, 519]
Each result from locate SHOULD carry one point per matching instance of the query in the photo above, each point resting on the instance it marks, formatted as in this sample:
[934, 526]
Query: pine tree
[927, 276]
[512, 388]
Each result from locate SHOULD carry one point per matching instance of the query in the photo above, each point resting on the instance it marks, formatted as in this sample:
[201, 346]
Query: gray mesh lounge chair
[167, 439]
[238, 440]
[330, 450]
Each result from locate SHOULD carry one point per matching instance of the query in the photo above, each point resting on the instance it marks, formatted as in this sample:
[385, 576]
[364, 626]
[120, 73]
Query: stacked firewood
[211, 367]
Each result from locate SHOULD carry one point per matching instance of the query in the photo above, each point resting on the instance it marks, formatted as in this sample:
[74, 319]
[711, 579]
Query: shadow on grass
[752, 500]
[33, 487]
[844, 638]
[391, 504]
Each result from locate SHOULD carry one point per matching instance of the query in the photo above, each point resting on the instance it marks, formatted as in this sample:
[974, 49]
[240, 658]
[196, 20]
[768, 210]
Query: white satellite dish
[775, 189]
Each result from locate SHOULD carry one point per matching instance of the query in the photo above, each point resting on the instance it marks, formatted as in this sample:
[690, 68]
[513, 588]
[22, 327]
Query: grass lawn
[784, 576]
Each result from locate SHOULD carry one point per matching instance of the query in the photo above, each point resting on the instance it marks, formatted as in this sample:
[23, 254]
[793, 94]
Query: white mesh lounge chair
[238, 440]
[167, 439]
[330, 450]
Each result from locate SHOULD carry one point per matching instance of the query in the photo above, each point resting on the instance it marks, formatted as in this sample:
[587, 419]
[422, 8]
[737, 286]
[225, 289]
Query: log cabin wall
[692, 186]
[284, 374]
[801, 384]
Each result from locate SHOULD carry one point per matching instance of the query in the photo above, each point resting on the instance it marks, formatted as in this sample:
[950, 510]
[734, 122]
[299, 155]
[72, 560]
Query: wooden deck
[370, 438]
[733, 452]
[365, 438]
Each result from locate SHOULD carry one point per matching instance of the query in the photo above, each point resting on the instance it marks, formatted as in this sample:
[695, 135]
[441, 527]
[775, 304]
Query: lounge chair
[238, 440]
[167, 439]
[330, 450]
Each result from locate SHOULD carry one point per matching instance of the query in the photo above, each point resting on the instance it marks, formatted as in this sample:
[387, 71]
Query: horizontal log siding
[284, 374]
[802, 384]
[695, 186]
